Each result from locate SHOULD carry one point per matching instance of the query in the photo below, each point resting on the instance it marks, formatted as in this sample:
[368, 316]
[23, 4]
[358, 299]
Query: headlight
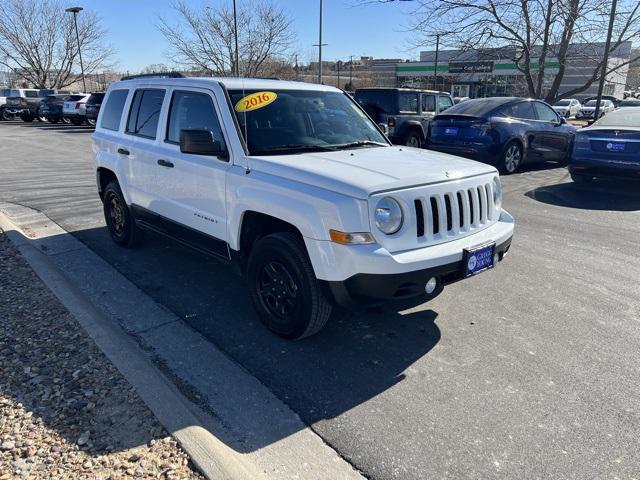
[497, 192]
[388, 215]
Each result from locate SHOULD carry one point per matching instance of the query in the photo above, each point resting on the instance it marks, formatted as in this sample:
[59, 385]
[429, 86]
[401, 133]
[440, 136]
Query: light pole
[605, 60]
[435, 70]
[75, 11]
[235, 36]
[320, 45]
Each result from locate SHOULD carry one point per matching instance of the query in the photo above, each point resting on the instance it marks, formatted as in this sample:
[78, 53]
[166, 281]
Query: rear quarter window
[408, 102]
[112, 111]
[31, 94]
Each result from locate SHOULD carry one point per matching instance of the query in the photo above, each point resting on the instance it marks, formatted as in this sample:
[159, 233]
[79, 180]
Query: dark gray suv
[405, 112]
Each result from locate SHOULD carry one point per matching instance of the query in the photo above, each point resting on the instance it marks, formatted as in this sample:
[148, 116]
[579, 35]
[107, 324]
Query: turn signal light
[344, 238]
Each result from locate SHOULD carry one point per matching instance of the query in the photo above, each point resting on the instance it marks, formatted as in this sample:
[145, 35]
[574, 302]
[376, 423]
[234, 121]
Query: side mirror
[384, 127]
[563, 120]
[201, 142]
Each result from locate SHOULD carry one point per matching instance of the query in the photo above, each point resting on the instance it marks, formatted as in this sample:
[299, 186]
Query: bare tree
[38, 42]
[534, 31]
[203, 39]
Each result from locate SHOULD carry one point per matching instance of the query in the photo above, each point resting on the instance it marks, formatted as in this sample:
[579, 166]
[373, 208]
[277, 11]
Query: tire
[581, 178]
[296, 308]
[413, 139]
[91, 122]
[7, 116]
[117, 215]
[511, 158]
[66, 120]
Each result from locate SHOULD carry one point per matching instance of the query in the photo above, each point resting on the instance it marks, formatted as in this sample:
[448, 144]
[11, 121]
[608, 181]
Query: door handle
[122, 151]
[165, 163]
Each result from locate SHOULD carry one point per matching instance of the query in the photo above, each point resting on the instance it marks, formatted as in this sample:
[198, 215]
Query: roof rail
[154, 75]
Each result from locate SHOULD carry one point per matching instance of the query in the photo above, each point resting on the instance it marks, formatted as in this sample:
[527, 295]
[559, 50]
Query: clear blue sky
[349, 28]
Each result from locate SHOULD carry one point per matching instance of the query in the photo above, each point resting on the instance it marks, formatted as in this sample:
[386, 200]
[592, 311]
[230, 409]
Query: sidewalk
[65, 411]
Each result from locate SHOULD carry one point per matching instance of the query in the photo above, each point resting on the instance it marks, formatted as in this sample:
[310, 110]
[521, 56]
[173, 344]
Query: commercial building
[493, 72]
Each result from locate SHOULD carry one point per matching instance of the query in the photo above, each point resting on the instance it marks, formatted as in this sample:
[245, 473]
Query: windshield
[592, 103]
[620, 118]
[563, 103]
[293, 121]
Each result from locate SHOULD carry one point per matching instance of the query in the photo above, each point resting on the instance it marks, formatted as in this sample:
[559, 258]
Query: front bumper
[17, 111]
[400, 287]
[354, 266]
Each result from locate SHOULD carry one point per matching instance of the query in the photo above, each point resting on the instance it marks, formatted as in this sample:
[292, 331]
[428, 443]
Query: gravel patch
[65, 410]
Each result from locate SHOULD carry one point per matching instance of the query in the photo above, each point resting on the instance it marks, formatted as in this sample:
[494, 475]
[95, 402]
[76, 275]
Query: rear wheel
[581, 178]
[284, 289]
[511, 158]
[66, 120]
[91, 122]
[413, 139]
[120, 222]
[7, 116]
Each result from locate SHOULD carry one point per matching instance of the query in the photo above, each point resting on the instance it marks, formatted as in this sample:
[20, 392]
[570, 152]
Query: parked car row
[50, 106]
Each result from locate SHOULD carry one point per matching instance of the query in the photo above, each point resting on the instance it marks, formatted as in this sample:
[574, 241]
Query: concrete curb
[238, 429]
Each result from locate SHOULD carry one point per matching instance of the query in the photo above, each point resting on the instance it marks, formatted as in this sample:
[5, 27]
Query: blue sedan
[608, 148]
[504, 131]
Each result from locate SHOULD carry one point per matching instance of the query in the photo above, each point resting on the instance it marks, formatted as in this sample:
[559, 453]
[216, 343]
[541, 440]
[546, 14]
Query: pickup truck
[294, 185]
[25, 103]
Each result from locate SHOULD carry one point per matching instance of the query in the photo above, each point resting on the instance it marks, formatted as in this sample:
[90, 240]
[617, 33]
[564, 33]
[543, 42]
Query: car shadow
[601, 194]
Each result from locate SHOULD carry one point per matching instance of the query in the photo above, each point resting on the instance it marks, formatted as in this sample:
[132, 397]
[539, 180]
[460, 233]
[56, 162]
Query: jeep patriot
[296, 186]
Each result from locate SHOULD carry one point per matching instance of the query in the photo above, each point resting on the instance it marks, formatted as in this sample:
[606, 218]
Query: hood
[590, 109]
[360, 172]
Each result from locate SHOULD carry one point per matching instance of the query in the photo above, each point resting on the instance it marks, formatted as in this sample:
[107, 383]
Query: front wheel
[66, 120]
[511, 158]
[91, 122]
[120, 222]
[7, 116]
[284, 289]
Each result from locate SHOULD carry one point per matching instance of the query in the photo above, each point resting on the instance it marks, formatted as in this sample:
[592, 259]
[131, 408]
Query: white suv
[297, 186]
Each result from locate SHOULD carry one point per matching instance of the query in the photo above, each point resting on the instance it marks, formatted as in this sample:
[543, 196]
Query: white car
[75, 111]
[568, 107]
[588, 110]
[295, 185]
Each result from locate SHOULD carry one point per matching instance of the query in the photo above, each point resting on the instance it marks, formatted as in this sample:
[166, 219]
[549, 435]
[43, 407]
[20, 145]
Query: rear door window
[376, 102]
[408, 102]
[112, 112]
[31, 93]
[428, 103]
[145, 113]
[522, 110]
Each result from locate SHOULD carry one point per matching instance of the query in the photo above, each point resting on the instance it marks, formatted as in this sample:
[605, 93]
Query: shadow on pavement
[611, 195]
[356, 357]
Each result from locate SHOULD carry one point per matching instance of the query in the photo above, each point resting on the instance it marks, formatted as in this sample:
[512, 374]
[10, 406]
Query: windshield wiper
[294, 147]
[360, 143]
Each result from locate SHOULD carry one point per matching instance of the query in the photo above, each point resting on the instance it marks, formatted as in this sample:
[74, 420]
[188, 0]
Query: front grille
[454, 213]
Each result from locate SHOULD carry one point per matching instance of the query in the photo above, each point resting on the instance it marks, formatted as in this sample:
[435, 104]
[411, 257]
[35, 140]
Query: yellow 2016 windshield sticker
[255, 101]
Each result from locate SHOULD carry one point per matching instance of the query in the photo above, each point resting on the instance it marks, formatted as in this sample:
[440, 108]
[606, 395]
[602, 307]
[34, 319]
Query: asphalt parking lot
[530, 370]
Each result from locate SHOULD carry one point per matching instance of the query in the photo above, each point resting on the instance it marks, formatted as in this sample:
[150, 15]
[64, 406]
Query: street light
[75, 11]
[320, 45]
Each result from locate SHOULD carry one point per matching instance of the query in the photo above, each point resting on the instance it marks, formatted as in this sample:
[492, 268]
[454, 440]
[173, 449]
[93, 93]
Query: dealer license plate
[615, 147]
[451, 131]
[478, 259]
